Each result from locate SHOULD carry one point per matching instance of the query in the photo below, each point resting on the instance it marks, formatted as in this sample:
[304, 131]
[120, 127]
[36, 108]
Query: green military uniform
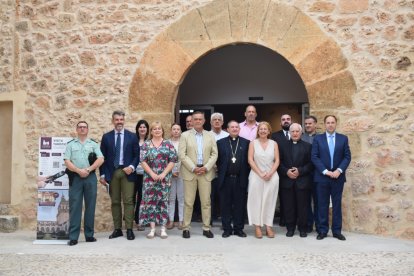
[78, 153]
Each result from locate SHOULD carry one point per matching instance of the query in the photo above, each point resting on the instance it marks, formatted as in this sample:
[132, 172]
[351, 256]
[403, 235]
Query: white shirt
[121, 153]
[222, 134]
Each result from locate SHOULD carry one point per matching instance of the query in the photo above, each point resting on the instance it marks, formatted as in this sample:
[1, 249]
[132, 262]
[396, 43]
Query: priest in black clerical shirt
[233, 173]
[295, 181]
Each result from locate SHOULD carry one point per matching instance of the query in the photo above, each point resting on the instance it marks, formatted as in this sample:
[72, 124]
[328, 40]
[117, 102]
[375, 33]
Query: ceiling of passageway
[233, 73]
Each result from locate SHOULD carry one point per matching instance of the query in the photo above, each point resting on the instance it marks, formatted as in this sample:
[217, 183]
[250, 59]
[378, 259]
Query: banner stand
[53, 192]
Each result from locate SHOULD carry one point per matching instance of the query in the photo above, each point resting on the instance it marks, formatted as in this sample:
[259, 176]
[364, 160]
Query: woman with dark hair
[142, 131]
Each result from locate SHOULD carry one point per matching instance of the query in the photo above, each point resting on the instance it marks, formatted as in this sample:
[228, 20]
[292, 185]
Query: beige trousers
[190, 190]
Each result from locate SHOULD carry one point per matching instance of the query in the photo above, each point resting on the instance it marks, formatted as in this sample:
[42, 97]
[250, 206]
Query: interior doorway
[229, 78]
[265, 112]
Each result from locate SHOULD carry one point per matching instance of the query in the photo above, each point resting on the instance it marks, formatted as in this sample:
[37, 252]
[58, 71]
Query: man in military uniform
[83, 184]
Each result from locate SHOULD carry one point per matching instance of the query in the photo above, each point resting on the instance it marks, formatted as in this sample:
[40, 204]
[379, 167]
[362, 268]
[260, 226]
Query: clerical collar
[233, 138]
[295, 142]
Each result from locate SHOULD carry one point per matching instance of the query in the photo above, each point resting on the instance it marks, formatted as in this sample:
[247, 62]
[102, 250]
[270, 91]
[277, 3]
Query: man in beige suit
[197, 151]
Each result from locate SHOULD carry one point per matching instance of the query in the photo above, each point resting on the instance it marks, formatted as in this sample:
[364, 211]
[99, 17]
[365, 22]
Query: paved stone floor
[358, 255]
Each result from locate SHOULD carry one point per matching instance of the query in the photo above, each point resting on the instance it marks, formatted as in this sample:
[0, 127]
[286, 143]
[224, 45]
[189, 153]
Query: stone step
[9, 224]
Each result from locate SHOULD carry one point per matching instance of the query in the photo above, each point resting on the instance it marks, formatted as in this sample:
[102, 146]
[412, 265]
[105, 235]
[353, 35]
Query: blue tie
[331, 148]
[117, 150]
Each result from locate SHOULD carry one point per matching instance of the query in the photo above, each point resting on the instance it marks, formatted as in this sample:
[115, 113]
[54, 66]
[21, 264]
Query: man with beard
[120, 148]
[233, 173]
[308, 136]
[295, 173]
[282, 137]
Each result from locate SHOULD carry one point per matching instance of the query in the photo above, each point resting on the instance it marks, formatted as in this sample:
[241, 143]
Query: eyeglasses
[82, 127]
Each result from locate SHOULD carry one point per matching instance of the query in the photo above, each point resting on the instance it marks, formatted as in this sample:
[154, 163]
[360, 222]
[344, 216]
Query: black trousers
[295, 207]
[215, 202]
[138, 196]
[232, 203]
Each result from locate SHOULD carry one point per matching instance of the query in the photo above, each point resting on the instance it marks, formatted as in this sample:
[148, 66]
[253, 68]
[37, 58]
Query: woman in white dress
[263, 180]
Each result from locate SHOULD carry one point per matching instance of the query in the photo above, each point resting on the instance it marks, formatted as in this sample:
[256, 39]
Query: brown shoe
[140, 227]
[258, 234]
[180, 225]
[269, 232]
[170, 225]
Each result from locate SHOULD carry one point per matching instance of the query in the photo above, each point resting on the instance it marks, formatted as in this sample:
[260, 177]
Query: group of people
[247, 167]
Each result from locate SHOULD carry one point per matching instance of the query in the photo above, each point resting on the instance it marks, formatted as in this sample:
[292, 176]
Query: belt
[200, 165]
[120, 167]
[232, 175]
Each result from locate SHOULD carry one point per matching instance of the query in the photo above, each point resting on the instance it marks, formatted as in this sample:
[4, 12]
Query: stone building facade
[62, 61]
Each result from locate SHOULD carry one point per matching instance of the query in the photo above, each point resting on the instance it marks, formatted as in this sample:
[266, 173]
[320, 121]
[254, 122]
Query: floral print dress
[154, 203]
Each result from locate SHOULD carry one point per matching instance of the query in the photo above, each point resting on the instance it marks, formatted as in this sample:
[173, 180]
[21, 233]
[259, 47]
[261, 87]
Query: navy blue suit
[327, 187]
[282, 142]
[131, 154]
[121, 186]
[232, 187]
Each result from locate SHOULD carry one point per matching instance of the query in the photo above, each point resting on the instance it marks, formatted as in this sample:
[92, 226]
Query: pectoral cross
[233, 159]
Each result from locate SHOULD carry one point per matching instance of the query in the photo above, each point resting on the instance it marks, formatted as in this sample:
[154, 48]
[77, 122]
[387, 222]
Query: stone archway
[282, 28]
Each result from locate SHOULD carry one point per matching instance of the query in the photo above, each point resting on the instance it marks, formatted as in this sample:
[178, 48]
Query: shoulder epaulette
[70, 141]
[93, 140]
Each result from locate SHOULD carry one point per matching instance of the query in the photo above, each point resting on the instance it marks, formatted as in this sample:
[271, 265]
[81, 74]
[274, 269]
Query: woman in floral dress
[157, 162]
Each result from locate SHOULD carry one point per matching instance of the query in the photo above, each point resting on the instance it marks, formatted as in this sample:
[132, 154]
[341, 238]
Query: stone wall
[76, 59]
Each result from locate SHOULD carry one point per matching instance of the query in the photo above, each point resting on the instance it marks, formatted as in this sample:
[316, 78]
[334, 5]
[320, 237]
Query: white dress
[261, 202]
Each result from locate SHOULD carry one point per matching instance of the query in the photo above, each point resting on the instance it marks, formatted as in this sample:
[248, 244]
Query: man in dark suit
[282, 137]
[233, 173]
[307, 136]
[121, 151]
[295, 172]
[331, 157]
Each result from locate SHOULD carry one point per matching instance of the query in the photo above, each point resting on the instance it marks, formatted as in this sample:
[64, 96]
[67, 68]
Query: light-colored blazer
[187, 153]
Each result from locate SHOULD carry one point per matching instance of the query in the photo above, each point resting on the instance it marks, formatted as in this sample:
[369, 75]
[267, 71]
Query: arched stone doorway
[282, 28]
[285, 29]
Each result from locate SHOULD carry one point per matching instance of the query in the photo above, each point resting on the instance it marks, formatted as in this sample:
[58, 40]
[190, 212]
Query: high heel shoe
[269, 232]
[258, 234]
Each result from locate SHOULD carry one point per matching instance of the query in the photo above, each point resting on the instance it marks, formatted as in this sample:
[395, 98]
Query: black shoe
[339, 236]
[290, 233]
[117, 233]
[72, 242]
[321, 236]
[226, 234]
[90, 239]
[303, 234]
[208, 234]
[130, 235]
[240, 233]
[186, 234]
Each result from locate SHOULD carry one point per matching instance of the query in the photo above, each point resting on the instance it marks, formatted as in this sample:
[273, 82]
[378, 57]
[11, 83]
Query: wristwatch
[88, 170]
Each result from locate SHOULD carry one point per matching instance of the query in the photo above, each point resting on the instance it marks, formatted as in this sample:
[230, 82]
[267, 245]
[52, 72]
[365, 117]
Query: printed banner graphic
[53, 190]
